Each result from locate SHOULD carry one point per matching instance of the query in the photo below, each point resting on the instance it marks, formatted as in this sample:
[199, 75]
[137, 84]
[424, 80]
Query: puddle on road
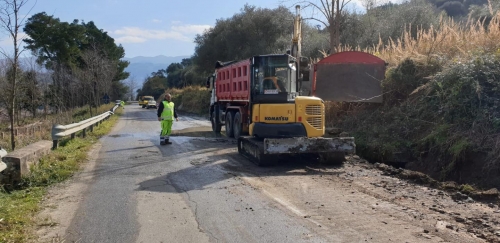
[204, 132]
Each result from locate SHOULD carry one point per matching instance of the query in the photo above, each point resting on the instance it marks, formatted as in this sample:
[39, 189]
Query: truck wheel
[237, 126]
[215, 123]
[229, 124]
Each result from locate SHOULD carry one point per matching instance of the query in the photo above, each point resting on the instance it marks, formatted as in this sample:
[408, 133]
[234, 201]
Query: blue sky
[147, 27]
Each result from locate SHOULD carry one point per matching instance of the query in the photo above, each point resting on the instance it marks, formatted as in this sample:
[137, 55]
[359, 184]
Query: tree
[334, 12]
[31, 95]
[253, 31]
[131, 85]
[81, 56]
[10, 20]
[56, 45]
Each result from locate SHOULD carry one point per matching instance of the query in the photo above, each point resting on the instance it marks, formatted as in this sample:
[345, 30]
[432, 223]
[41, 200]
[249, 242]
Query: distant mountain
[141, 67]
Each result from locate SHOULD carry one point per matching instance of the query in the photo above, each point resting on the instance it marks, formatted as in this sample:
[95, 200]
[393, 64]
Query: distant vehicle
[147, 102]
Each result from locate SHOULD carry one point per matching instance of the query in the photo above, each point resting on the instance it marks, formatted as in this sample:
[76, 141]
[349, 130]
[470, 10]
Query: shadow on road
[206, 172]
[128, 149]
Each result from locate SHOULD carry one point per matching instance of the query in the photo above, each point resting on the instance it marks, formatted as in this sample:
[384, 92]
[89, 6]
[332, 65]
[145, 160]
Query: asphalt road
[199, 189]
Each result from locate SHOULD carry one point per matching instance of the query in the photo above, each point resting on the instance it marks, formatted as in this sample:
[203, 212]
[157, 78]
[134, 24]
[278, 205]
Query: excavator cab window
[274, 79]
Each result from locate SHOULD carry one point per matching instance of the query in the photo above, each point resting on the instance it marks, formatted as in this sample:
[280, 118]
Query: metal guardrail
[60, 131]
[3, 153]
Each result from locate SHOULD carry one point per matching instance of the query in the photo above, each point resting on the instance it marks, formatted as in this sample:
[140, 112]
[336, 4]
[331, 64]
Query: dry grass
[449, 41]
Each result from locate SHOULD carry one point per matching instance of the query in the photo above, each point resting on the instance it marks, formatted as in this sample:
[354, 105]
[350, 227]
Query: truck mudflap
[309, 145]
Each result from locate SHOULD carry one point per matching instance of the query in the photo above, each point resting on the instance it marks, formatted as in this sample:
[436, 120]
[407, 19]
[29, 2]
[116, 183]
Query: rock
[344, 134]
[333, 130]
[492, 193]
[449, 185]
[459, 219]
[478, 221]
[459, 196]
[469, 200]
[426, 231]
[497, 233]
[382, 166]
[438, 210]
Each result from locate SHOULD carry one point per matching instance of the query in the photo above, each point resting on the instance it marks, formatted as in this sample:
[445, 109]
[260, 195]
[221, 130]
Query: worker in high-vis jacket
[166, 114]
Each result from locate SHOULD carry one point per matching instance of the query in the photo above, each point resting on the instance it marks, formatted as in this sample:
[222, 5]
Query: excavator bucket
[264, 152]
[349, 76]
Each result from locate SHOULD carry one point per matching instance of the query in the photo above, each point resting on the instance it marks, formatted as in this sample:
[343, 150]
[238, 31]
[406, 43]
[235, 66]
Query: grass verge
[19, 208]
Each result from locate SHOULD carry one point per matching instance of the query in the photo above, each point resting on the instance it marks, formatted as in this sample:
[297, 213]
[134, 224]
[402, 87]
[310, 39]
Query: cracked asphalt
[199, 189]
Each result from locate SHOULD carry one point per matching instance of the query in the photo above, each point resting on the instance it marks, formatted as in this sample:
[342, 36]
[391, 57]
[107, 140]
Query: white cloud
[130, 39]
[191, 29]
[156, 21]
[6, 41]
[135, 35]
[178, 32]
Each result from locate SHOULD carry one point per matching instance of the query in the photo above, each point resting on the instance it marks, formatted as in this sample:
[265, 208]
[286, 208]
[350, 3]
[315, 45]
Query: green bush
[402, 80]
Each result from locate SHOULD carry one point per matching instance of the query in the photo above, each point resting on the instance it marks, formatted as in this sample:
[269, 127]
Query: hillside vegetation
[441, 104]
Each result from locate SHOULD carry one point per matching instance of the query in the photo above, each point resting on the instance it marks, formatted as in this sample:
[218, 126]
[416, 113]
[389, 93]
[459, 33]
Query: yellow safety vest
[168, 111]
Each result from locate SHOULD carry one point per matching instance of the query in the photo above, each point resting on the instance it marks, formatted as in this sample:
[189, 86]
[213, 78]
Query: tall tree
[253, 31]
[56, 45]
[78, 52]
[11, 21]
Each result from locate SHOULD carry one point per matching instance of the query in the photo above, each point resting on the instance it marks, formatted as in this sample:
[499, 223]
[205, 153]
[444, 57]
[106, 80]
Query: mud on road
[359, 201]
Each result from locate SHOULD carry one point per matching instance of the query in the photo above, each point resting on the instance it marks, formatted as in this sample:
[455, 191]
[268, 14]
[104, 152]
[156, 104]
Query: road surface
[199, 189]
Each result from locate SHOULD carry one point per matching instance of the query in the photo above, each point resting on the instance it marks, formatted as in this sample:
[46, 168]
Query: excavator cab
[274, 79]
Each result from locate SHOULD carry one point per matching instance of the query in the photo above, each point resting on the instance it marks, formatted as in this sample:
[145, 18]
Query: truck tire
[237, 125]
[216, 126]
[229, 124]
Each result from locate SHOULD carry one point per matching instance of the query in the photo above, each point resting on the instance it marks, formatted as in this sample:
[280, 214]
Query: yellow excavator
[259, 101]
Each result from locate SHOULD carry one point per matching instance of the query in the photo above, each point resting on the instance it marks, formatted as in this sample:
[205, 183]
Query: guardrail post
[54, 144]
[72, 135]
[91, 128]
[84, 133]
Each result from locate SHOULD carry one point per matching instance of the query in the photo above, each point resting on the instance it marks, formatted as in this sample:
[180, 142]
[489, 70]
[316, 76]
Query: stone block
[19, 161]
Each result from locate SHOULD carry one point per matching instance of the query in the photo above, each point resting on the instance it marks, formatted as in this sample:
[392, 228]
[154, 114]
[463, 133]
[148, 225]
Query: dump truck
[259, 102]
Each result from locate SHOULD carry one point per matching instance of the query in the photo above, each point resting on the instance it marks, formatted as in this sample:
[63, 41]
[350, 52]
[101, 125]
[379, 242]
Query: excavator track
[253, 149]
